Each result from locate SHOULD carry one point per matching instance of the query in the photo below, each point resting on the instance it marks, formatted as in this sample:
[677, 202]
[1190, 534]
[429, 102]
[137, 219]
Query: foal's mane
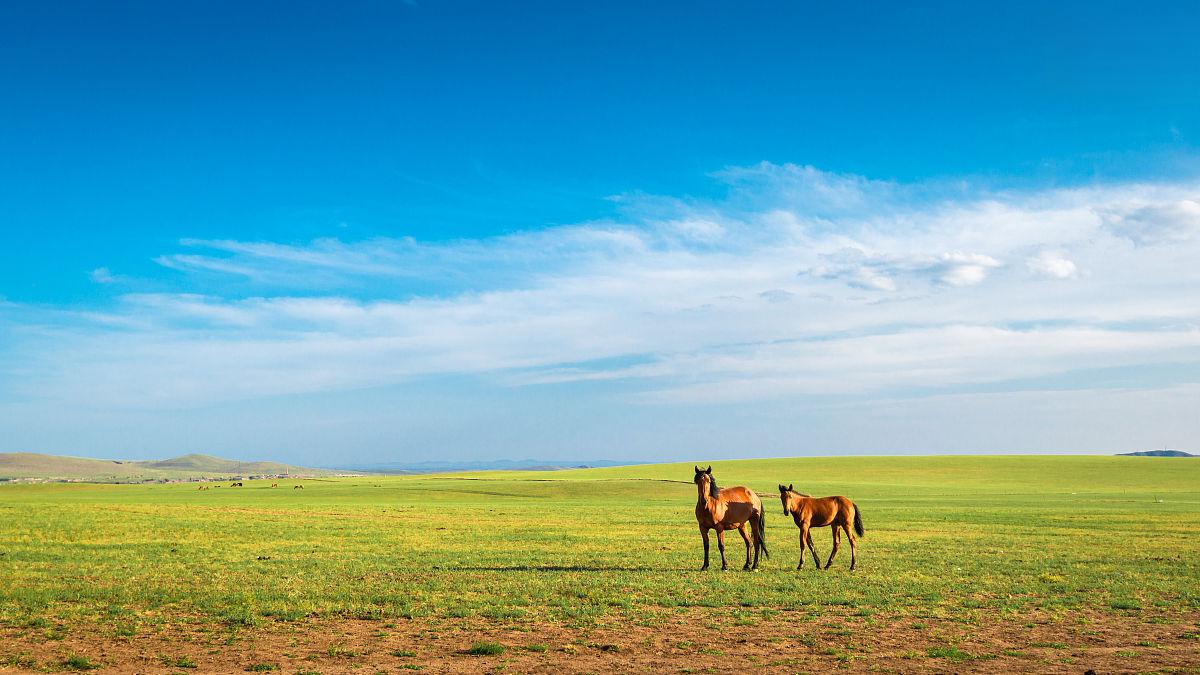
[712, 487]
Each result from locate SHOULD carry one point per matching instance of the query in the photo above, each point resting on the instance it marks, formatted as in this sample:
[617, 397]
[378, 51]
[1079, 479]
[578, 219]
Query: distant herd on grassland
[239, 484]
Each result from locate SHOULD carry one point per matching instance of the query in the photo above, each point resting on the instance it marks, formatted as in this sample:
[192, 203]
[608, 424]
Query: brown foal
[809, 512]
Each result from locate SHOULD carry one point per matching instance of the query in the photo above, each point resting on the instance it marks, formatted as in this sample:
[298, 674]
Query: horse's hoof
[704, 568]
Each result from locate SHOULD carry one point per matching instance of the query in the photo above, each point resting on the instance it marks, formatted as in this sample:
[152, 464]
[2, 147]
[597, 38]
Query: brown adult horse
[721, 510]
[810, 512]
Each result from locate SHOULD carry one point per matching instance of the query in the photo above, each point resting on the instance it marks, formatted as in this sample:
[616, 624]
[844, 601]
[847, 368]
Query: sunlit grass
[955, 535]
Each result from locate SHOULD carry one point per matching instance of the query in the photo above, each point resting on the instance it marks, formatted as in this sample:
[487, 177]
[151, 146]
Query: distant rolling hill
[210, 464]
[53, 467]
[1158, 453]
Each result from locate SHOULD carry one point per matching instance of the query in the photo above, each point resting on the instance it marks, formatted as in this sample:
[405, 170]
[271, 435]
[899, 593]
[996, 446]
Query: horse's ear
[789, 487]
[696, 468]
[708, 470]
[782, 489]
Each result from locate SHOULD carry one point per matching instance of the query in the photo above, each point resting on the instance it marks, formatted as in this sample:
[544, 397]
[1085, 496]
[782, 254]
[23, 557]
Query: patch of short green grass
[951, 653]
[340, 651]
[184, 661]
[486, 649]
[77, 662]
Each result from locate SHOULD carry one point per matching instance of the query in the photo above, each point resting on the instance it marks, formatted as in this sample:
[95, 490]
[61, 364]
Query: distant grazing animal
[238, 484]
[274, 484]
[297, 487]
[810, 512]
[721, 510]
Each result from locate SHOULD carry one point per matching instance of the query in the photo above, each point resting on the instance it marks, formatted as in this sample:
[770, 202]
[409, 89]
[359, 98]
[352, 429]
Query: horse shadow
[560, 568]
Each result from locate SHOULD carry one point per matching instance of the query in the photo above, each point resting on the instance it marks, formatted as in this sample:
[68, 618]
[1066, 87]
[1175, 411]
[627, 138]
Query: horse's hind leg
[721, 547]
[837, 540]
[745, 538]
[853, 553]
[804, 538]
[757, 533]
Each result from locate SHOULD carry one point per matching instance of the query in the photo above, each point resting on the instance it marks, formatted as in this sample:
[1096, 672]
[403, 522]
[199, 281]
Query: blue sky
[397, 231]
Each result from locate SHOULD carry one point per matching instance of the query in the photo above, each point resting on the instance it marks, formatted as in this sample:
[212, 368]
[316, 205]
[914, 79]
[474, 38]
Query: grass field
[960, 544]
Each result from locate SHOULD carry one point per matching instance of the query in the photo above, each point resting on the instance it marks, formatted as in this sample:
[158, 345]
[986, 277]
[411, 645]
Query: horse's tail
[858, 528]
[762, 531]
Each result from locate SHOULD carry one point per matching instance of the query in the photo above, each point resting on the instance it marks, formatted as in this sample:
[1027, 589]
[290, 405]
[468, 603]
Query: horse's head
[704, 479]
[785, 496]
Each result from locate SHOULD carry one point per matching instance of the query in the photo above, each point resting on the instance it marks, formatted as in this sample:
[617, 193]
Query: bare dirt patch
[697, 641]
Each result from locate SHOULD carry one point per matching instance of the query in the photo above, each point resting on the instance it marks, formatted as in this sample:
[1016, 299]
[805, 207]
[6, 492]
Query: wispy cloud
[1156, 223]
[799, 282]
[1054, 264]
[102, 275]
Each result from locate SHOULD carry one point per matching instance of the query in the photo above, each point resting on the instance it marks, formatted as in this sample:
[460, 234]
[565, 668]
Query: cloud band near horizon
[798, 285]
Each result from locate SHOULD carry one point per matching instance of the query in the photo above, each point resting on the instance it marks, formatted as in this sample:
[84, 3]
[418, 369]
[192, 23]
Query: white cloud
[1053, 264]
[102, 275]
[879, 272]
[866, 277]
[800, 283]
[964, 269]
[1162, 223]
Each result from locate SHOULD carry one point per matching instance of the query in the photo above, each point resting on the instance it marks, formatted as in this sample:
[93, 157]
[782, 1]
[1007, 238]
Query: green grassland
[946, 536]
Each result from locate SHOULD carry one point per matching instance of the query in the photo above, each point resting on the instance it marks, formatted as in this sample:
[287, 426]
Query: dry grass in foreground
[697, 641]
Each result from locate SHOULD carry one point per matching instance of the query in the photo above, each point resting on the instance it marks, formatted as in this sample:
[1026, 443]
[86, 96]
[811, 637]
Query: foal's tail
[858, 528]
[762, 531]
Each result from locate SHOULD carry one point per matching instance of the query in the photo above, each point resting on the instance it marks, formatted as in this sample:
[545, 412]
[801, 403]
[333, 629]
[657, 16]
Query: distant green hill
[1158, 453]
[52, 467]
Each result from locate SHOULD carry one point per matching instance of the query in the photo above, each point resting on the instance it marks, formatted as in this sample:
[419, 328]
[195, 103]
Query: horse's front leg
[704, 535]
[803, 540]
[813, 549]
[721, 547]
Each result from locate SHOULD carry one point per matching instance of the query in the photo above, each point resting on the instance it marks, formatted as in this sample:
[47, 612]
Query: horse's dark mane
[712, 487]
